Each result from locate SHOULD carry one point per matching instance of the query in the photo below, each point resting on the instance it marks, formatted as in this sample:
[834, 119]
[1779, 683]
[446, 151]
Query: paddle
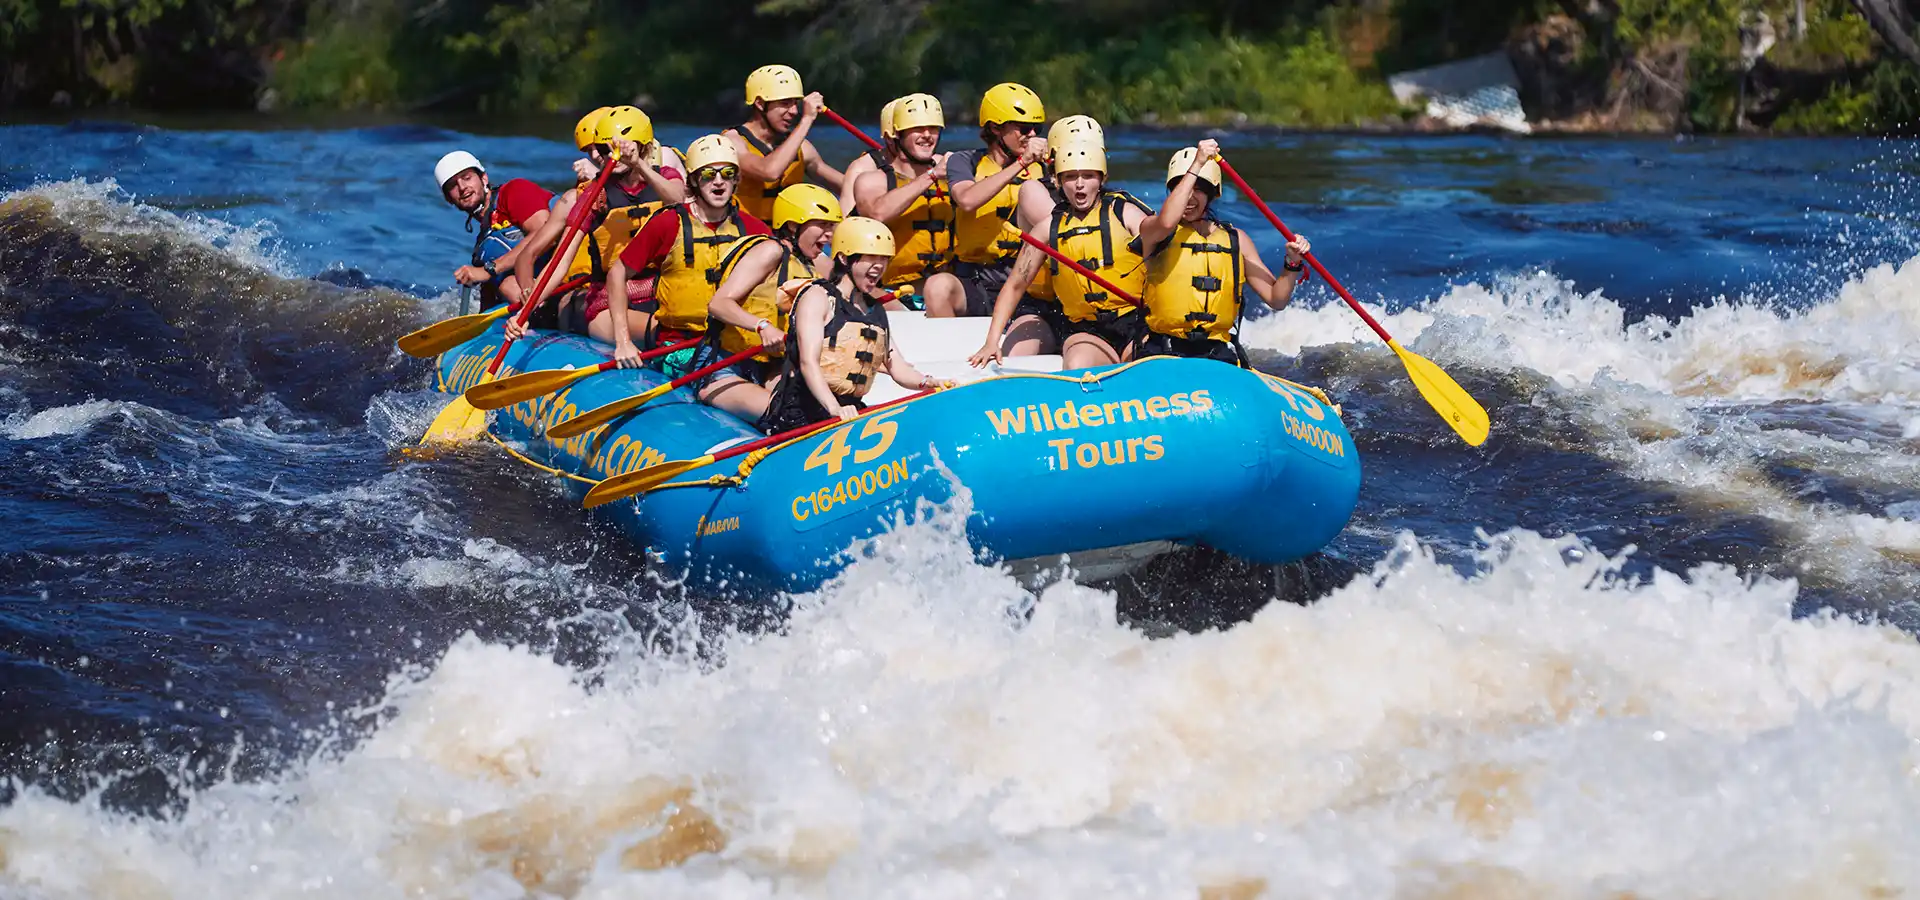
[466, 299]
[600, 415]
[851, 128]
[447, 334]
[1083, 270]
[641, 480]
[529, 385]
[1447, 397]
[460, 421]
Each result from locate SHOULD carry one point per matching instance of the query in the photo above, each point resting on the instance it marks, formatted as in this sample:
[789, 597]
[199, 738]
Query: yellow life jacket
[690, 273]
[607, 239]
[991, 233]
[756, 197]
[1194, 284]
[853, 347]
[1100, 242]
[922, 233]
[771, 299]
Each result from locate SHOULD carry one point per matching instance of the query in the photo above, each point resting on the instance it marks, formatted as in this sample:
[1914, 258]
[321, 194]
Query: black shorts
[1046, 311]
[982, 285]
[1122, 332]
[1223, 351]
[792, 406]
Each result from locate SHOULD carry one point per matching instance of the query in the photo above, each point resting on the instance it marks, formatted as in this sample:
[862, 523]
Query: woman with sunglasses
[645, 178]
[685, 244]
[986, 191]
[839, 338]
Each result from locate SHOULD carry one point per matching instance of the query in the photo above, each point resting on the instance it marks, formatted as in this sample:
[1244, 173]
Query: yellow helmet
[918, 111]
[624, 123]
[1081, 155]
[585, 132]
[1009, 102]
[861, 236]
[711, 150]
[772, 83]
[886, 117]
[1072, 127]
[1182, 163]
[804, 202]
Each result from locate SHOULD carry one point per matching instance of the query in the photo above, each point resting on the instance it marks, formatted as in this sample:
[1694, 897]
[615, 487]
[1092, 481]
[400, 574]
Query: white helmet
[453, 164]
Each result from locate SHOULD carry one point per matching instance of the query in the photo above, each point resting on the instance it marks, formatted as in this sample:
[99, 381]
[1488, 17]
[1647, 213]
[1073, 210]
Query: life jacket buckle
[1207, 283]
[930, 224]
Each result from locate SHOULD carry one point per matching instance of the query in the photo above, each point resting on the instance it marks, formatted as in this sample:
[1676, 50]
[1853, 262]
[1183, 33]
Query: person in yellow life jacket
[645, 178]
[986, 190]
[910, 195]
[759, 277]
[772, 143]
[839, 339]
[685, 245]
[871, 160]
[1100, 230]
[1198, 265]
[1038, 322]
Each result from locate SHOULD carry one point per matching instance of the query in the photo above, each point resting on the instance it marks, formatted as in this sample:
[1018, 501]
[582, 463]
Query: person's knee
[946, 297]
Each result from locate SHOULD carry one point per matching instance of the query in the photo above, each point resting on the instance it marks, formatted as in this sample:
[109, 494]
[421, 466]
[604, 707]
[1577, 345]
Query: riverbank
[1613, 66]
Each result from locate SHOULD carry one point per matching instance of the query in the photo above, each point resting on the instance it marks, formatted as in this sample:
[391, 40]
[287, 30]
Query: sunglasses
[724, 173]
[1026, 128]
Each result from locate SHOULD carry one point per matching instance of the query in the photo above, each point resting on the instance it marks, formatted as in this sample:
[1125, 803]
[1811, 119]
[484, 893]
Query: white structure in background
[1480, 91]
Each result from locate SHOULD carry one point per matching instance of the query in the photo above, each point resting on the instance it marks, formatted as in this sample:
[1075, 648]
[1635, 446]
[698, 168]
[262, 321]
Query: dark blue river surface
[251, 646]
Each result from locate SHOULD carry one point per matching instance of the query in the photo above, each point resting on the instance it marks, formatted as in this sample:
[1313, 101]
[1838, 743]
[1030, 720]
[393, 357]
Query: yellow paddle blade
[638, 481]
[524, 386]
[440, 337]
[601, 415]
[457, 423]
[1447, 397]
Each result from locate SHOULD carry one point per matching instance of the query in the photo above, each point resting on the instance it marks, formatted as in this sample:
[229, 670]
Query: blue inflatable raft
[1157, 452]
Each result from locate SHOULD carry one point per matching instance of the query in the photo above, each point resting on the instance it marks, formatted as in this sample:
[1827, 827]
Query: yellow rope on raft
[525, 459]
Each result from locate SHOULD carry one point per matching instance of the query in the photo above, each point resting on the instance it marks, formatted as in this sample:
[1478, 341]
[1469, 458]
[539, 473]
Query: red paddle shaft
[851, 128]
[1318, 269]
[576, 222]
[1083, 270]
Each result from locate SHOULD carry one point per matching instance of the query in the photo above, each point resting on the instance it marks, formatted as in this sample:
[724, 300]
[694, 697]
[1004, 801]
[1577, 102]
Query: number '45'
[876, 435]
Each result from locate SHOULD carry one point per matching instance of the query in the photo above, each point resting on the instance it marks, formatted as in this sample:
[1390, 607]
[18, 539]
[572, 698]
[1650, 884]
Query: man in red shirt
[506, 216]
[686, 245]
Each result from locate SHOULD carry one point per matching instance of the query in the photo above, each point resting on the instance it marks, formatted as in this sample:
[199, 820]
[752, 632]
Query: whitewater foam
[62, 420]
[1544, 725]
[102, 206]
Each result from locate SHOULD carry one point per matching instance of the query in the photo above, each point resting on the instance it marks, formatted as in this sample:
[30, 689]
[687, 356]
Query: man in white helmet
[772, 143]
[505, 217]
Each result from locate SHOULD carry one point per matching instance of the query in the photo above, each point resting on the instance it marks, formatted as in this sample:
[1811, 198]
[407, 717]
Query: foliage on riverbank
[1584, 64]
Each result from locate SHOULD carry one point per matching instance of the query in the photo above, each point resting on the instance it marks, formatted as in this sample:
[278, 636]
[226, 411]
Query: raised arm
[829, 176]
[1276, 291]
[970, 195]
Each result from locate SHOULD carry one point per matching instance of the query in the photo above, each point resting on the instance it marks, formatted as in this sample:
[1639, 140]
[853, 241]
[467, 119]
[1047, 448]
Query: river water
[1655, 637]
